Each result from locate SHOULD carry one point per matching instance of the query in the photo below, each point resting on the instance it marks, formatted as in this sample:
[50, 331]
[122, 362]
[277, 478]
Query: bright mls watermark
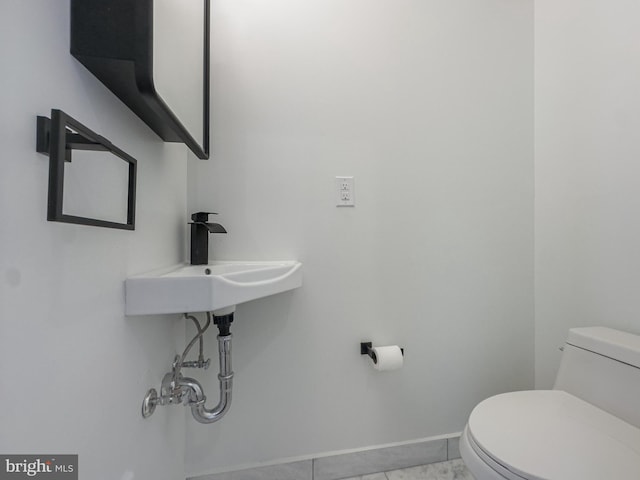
[50, 467]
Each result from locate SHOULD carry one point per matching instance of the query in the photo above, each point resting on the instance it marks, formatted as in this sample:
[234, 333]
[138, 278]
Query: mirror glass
[178, 60]
[96, 186]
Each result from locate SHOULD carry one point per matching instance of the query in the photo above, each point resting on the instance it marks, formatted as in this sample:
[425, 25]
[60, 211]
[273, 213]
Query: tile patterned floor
[451, 470]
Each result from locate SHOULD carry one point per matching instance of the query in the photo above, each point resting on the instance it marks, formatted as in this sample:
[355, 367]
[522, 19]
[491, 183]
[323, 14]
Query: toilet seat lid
[553, 435]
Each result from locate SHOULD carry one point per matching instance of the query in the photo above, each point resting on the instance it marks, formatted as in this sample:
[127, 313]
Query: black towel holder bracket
[58, 137]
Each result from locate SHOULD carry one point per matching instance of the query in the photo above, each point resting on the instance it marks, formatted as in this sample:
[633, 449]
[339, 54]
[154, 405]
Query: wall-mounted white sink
[201, 288]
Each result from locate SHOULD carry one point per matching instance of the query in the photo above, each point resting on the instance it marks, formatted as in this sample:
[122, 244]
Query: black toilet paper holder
[366, 348]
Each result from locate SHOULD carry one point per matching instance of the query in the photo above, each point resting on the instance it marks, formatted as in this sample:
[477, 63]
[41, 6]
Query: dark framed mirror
[154, 56]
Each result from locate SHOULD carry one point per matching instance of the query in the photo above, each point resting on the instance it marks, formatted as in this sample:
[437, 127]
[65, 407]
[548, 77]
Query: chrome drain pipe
[177, 389]
[196, 397]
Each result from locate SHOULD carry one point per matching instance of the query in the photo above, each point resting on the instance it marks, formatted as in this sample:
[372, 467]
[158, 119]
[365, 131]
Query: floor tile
[288, 471]
[450, 470]
[371, 461]
[413, 473]
[375, 476]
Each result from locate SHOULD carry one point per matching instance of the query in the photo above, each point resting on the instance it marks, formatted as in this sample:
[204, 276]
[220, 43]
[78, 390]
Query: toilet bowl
[586, 428]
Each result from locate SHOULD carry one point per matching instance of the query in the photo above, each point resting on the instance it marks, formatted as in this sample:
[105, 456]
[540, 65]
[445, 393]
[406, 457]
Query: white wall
[587, 170]
[429, 104]
[73, 369]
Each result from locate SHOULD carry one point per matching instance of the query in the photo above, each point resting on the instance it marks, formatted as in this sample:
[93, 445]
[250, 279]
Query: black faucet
[200, 229]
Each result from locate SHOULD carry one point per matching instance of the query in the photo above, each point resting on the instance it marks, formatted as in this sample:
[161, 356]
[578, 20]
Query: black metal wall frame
[58, 137]
[113, 39]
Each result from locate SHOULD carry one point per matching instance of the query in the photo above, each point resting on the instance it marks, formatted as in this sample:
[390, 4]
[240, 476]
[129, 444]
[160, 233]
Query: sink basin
[201, 288]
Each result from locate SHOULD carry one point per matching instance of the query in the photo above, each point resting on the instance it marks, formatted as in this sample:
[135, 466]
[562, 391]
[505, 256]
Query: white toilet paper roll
[388, 358]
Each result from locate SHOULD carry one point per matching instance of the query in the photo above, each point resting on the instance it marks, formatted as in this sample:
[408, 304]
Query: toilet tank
[602, 366]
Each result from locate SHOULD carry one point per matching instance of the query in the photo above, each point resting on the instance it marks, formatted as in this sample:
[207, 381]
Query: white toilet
[586, 428]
